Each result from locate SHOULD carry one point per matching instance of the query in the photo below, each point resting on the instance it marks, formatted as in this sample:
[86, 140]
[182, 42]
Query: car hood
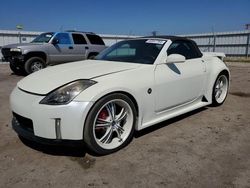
[48, 79]
[21, 45]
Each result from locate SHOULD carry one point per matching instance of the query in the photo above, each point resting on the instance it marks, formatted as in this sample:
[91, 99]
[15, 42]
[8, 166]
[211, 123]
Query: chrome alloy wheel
[36, 66]
[221, 88]
[113, 124]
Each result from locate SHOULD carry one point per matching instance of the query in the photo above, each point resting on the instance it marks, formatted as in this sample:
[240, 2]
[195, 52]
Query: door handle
[71, 47]
[86, 47]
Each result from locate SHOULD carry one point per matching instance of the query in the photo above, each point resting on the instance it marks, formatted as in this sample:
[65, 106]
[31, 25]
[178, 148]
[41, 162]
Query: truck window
[63, 38]
[94, 39]
[44, 37]
[78, 39]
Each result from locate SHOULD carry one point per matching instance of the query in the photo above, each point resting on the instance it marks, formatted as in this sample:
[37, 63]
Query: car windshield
[143, 51]
[43, 38]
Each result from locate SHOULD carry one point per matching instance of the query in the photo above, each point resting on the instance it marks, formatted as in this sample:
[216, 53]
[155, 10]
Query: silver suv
[52, 48]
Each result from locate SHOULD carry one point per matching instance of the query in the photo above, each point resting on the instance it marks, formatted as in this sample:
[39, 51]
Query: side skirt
[171, 113]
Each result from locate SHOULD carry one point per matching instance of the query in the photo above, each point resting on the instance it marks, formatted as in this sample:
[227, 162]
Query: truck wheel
[92, 55]
[34, 64]
[17, 70]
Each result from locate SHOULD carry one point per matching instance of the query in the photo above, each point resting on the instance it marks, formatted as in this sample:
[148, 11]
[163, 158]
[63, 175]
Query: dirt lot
[207, 148]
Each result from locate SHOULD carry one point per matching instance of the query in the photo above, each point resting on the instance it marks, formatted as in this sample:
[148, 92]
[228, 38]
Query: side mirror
[175, 58]
[55, 41]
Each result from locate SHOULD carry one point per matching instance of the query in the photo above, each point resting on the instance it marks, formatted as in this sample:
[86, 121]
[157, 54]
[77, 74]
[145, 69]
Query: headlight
[16, 50]
[66, 93]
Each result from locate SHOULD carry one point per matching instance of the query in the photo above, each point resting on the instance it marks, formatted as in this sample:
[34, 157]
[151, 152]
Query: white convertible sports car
[130, 86]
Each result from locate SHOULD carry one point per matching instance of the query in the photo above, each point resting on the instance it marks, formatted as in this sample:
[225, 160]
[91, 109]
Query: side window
[124, 50]
[78, 39]
[94, 39]
[184, 48]
[63, 38]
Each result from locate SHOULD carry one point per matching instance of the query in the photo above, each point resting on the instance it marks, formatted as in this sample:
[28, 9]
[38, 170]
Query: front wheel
[34, 64]
[18, 70]
[220, 90]
[110, 124]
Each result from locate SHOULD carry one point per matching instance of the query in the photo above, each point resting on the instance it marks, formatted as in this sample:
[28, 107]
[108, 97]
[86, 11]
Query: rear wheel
[34, 64]
[110, 124]
[220, 90]
[92, 55]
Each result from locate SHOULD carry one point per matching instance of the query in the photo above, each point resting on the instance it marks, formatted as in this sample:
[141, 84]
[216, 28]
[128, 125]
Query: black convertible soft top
[168, 37]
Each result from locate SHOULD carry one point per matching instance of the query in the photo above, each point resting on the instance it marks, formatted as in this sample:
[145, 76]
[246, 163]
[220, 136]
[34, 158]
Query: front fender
[94, 96]
[134, 82]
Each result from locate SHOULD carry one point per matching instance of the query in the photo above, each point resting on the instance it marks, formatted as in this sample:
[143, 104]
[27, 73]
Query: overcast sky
[126, 16]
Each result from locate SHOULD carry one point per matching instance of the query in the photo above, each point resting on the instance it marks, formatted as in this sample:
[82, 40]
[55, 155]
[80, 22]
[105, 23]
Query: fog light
[58, 128]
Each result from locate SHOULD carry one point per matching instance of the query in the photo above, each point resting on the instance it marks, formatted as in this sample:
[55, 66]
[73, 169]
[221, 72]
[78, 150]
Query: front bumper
[42, 120]
[4, 59]
[15, 58]
[29, 135]
[17, 61]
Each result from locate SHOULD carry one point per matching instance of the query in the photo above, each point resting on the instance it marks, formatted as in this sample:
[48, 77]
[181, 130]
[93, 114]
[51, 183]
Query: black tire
[17, 70]
[216, 102]
[89, 137]
[34, 64]
[92, 56]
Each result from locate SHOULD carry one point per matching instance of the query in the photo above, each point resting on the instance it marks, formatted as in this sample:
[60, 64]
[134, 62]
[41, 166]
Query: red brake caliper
[103, 115]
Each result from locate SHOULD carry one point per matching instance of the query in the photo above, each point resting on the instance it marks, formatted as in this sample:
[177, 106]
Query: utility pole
[19, 27]
[247, 26]
[154, 33]
[214, 41]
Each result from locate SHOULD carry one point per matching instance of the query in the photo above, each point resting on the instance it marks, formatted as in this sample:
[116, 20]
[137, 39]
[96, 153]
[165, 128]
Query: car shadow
[167, 123]
[57, 150]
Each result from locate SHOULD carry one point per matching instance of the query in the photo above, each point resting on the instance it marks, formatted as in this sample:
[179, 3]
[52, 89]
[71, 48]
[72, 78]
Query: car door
[80, 46]
[177, 84]
[61, 49]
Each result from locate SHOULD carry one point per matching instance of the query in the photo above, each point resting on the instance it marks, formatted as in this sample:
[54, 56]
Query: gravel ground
[206, 148]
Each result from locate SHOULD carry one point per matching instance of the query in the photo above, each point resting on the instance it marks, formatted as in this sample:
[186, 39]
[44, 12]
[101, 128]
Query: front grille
[23, 122]
[6, 52]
